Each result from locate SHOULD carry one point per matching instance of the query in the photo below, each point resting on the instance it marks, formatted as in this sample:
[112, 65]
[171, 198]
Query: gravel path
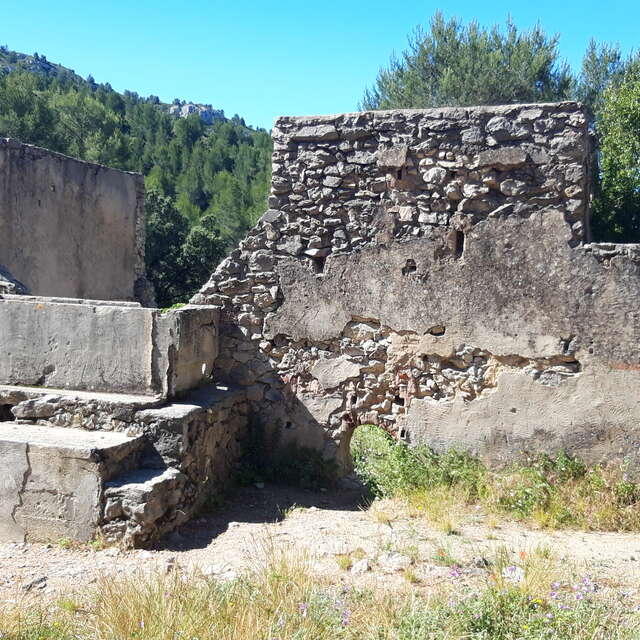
[322, 525]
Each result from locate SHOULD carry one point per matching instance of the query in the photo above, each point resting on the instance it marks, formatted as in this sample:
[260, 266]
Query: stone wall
[105, 346]
[426, 271]
[70, 228]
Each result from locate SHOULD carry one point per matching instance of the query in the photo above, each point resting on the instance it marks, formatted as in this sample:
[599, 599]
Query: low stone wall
[97, 346]
[70, 228]
[193, 447]
[425, 270]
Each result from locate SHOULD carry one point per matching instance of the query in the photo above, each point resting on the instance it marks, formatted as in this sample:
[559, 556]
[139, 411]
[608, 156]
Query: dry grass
[527, 595]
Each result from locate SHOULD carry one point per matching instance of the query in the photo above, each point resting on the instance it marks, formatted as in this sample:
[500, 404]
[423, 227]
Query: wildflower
[553, 595]
[549, 616]
[579, 596]
[281, 621]
[346, 617]
[513, 573]
[455, 572]
[302, 609]
[141, 624]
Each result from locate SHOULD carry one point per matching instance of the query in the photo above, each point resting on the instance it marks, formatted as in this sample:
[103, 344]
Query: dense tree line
[206, 184]
[457, 64]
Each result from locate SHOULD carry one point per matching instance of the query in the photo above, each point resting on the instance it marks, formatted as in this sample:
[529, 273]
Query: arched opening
[368, 456]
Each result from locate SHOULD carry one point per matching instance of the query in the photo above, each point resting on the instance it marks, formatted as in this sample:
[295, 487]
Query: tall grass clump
[552, 490]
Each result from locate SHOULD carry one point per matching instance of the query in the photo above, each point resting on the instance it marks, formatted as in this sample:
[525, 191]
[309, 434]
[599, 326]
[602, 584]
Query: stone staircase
[123, 435]
[78, 465]
[53, 478]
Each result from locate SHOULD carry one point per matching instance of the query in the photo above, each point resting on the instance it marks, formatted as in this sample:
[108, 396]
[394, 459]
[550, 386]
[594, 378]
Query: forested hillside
[206, 184]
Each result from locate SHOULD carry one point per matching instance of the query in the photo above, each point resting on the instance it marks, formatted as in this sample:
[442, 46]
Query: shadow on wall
[426, 270]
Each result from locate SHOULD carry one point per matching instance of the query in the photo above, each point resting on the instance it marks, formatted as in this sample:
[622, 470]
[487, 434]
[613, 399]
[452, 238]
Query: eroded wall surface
[427, 271]
[70, 228]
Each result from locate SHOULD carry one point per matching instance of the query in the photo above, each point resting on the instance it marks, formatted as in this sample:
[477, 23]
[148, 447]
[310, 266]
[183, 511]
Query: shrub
[388, 467]
[554, 491]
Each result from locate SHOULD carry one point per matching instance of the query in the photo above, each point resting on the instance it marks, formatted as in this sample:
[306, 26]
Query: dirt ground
[385, 544]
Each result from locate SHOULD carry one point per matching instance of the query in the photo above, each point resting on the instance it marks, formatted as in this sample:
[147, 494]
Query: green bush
[388, 467]
[555, 491]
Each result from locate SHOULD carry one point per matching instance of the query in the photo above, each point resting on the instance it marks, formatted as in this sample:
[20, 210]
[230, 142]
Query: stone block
[114, 347]
[51, 479]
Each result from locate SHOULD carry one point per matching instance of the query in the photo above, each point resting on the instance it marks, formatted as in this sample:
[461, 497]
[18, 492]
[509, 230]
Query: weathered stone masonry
[427, 270]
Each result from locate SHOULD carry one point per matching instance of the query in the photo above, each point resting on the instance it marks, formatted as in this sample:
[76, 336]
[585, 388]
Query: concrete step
[52, 479]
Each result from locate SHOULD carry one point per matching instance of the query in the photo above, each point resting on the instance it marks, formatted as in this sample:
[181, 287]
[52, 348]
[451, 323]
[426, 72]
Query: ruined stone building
[430, 271]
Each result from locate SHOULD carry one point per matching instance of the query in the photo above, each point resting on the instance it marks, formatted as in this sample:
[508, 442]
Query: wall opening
[317, 264]
[458, 244]
[369, 452]
[5, 413]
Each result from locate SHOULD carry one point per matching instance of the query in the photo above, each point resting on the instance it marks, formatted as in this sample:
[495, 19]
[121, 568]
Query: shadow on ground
[252, 504]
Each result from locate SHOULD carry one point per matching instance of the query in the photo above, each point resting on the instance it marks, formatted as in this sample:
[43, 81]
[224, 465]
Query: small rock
[38, 583]
[481, 562]
[360, 567]
[392, 562]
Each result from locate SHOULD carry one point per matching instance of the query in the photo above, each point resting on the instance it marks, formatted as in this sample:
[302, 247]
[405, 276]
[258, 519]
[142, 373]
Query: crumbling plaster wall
[427, 271]
[70, 228]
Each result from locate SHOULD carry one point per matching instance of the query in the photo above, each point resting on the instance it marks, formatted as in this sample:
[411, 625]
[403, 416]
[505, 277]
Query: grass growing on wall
[552, 491]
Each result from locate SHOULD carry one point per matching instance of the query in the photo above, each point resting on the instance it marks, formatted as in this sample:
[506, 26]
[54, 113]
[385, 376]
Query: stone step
[143, 504]
[52, 479]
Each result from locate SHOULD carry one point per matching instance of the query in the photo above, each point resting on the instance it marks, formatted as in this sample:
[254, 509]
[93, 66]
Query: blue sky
[264, 59]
